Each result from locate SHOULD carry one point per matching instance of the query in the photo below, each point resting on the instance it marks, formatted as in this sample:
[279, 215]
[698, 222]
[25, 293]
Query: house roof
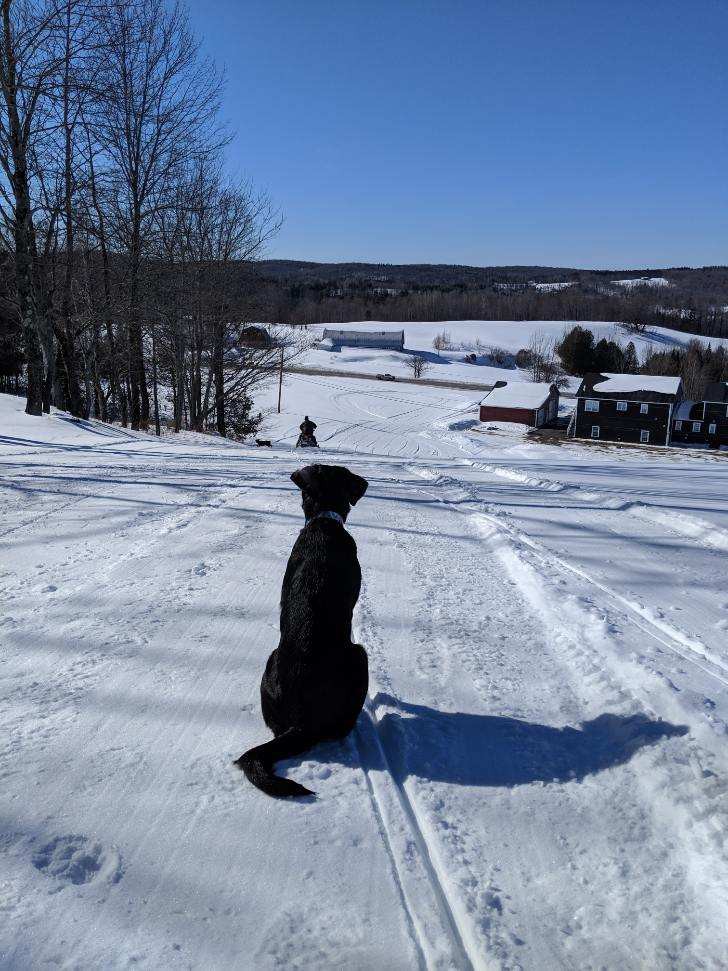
[629, 385]
[518, 394]
[394, 335]
[682, 412]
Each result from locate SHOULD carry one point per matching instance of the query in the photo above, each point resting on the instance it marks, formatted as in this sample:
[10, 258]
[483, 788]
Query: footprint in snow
[78, 860]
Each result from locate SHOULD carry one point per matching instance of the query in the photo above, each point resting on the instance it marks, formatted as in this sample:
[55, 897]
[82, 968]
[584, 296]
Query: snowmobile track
[398, 822]
[682, 645]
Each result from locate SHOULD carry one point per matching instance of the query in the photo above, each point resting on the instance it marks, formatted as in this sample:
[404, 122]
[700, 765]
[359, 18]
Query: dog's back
[320, 589]
[316, 681]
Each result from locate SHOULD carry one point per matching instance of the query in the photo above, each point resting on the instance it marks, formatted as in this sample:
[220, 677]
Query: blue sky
[489, 133]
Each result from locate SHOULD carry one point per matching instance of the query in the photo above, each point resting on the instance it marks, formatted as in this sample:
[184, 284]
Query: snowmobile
[306, 441]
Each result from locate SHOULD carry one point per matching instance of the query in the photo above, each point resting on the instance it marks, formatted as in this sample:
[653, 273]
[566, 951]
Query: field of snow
[539, 779]
[510, 335]
[643, 281]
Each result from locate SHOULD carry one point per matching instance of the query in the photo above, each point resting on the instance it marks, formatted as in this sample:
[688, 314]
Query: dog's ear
[355, 487]
[305, 478]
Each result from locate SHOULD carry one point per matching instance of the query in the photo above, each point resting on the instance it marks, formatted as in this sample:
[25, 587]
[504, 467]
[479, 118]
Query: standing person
[307, 426]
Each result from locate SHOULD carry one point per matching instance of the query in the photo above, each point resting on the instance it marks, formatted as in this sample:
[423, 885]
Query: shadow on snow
[488, 750]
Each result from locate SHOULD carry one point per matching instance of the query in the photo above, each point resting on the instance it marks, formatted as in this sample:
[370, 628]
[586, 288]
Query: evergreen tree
[608, 357]
[630, 364]
[576, 351]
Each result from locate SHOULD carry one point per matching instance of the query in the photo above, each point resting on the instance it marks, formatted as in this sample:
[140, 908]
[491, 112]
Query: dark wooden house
[634, 408]
[522, 402]
[252, 336]
[703, 422]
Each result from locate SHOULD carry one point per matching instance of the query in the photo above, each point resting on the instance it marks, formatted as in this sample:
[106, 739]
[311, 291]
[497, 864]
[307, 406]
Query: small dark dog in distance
[316, 680]
[263, 443]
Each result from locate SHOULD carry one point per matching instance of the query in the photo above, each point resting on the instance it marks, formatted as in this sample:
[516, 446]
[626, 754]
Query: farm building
[252, 336]
[528, 404]
[703, 422]
[388, 340]
[626, 408]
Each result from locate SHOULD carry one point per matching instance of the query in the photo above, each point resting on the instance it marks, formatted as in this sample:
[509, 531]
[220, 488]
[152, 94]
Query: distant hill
[444, 274]
[693, 300]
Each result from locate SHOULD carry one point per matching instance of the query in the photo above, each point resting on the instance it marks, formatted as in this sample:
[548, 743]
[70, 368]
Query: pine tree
[630, 364]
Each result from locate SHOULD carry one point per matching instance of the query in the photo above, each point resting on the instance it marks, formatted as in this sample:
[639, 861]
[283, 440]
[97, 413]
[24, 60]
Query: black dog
[263, 443]
[316, 681]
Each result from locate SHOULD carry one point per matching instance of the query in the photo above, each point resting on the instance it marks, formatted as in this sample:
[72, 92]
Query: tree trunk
[137, 373]
[219, 375]
[157, 426]
[73, 388]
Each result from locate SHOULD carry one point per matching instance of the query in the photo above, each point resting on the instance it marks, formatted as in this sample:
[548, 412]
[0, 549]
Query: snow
[548, 287]
[539, 778]
[449, 365]
[643, 281]
[627, 383]
[519, 395]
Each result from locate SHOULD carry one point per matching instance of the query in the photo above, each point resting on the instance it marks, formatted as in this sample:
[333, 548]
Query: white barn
[388, 340]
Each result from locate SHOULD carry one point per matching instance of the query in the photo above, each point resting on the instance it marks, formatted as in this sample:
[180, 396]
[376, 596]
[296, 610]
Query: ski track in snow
[539, 777]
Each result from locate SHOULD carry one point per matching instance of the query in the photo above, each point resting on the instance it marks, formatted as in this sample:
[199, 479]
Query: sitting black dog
[316, 680]
[263, 443]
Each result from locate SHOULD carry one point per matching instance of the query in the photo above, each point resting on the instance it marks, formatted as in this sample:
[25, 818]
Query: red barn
[522, 402]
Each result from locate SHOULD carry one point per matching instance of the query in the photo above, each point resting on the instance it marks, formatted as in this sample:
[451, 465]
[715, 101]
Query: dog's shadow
[487, 750]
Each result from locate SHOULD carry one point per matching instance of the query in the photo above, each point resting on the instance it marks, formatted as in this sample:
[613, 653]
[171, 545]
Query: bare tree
[417, 365]
[130, 251]
[636, 325]
[29, 62]
[206, 237]
[441, 341]
[159, 106]
[542, 358]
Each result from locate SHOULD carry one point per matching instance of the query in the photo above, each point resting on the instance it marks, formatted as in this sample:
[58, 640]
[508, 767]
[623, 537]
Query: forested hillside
[692, 300]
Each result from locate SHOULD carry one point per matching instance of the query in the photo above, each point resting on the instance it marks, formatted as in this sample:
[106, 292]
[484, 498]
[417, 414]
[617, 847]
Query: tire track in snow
[697, 796]
[35, 520]
[685, 647]
[175, 736]
[431, 910]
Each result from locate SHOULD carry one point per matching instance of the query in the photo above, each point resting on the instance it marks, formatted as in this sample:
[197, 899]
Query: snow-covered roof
[615, 383]
[519, 394]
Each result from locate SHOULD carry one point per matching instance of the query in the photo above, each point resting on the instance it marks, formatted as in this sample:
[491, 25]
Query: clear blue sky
[511, 132]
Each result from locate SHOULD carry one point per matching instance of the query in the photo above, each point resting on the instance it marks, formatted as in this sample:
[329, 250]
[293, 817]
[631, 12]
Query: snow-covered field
[510, 335]
[539, 780]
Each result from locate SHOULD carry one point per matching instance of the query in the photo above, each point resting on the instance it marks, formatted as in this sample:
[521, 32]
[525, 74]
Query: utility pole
[280, 382]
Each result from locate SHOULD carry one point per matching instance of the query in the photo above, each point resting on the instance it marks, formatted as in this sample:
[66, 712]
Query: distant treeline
[695, 301]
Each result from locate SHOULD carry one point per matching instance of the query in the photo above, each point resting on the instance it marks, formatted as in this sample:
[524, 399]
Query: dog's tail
[258, 762]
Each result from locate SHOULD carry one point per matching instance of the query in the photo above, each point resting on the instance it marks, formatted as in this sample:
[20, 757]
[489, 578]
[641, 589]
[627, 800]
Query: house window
[678, 426]
[595, 431]
[696, 426]
[711, 428]
[621, 406]
[644, 408]
[591, 405]
[644, 436]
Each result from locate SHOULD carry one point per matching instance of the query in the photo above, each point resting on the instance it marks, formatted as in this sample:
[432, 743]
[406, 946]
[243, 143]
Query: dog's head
[329, 487]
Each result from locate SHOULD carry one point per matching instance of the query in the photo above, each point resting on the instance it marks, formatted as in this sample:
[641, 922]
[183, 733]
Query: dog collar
[327, 514]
